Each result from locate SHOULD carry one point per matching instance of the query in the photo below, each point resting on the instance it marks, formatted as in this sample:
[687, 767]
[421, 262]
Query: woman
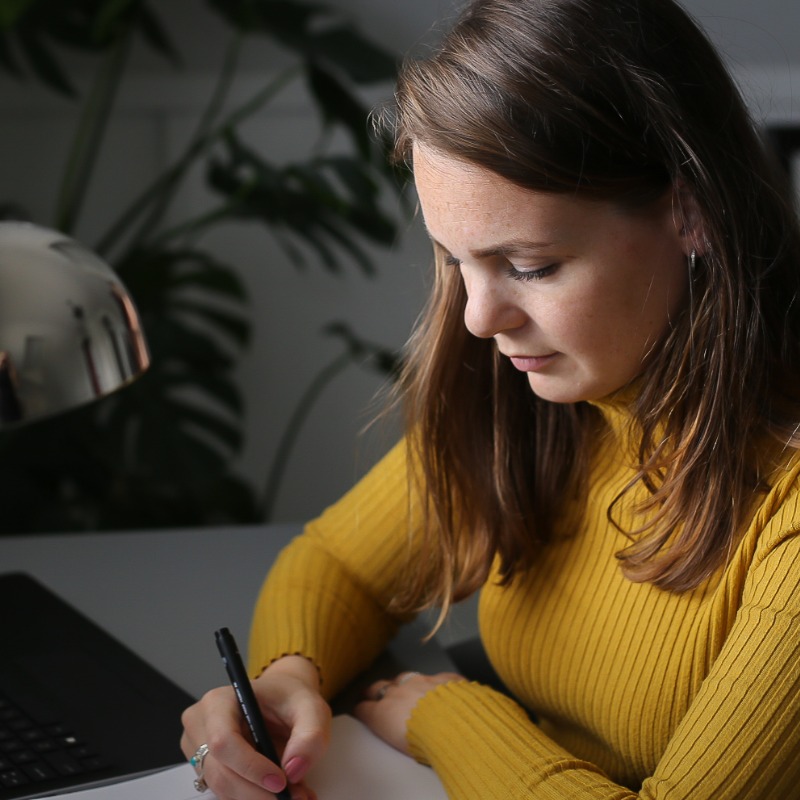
[602, 410]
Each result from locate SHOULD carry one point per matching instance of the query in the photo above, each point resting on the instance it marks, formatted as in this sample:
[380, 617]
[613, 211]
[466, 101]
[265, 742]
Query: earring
[692, 261]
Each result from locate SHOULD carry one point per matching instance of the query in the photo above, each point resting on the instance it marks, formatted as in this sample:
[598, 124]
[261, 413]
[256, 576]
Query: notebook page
[360, 766]
[357, 766]
[173, 783]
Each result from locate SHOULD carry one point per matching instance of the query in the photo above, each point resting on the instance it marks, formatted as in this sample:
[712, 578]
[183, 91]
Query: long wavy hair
[615, 100]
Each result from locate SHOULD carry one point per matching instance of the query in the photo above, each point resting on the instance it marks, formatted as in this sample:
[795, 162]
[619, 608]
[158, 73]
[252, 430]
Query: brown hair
[616, 101]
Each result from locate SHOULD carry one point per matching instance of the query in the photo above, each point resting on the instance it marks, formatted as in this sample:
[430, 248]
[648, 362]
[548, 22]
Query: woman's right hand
[297, 718]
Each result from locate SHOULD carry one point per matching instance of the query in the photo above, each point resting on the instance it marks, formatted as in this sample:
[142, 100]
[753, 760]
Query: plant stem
[293, 427]
[165, 185]
[215, 103]
[195, 225]
[86, 145]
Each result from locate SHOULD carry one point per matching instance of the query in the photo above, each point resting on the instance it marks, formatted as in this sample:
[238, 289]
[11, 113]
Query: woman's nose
[491, 307]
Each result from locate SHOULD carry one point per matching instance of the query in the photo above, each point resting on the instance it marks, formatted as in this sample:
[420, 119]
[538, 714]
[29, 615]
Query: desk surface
[163, 593]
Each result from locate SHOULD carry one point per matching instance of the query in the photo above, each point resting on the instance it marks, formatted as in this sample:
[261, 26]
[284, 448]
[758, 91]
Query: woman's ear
[689, 220]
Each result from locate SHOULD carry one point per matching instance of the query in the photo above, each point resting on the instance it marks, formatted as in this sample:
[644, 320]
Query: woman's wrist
[297, 666]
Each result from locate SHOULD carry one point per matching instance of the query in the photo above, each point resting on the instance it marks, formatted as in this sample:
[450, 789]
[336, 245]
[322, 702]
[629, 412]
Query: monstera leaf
[326, 203]
[31, 32]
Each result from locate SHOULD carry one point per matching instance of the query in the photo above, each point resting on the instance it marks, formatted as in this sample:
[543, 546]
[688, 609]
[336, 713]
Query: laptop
[77, 708]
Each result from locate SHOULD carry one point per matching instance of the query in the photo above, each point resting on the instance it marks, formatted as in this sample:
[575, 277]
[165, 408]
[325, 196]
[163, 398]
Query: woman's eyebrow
[514, 247]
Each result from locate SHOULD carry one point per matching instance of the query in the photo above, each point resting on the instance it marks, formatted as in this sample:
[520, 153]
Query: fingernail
[295, 768]
[273, 782]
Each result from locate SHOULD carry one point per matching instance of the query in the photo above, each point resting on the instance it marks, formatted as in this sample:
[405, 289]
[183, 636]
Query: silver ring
[381, 693]
[198, 758]
[196, 761]
[406, 676]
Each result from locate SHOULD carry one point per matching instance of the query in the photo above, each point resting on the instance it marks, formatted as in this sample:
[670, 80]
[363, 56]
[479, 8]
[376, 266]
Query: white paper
[174, 783]
[357, 766]
[360, 766]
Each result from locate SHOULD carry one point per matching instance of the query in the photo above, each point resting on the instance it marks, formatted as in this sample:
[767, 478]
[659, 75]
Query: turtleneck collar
[617, 412]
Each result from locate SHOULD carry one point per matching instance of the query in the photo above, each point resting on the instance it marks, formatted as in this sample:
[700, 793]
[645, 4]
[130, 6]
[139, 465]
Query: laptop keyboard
[35, 748]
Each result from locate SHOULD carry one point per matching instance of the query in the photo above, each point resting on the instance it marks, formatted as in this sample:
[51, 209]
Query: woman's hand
[298, 720]
[389, 704]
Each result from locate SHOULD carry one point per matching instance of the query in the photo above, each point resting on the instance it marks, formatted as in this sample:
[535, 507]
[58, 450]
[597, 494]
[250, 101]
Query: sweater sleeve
[739, 739]
[328, 594]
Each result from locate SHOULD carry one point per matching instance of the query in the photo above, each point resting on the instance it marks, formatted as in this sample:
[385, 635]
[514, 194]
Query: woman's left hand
[389, 704]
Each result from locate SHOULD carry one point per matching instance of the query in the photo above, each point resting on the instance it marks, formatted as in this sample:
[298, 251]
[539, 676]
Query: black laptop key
[31, 753]
[12, 778]
[94, 763]
[21, 757]
[38, 771]
[64, 764]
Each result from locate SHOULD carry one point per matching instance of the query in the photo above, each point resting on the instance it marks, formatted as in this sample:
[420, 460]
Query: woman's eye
[517, 273]
[531, 274]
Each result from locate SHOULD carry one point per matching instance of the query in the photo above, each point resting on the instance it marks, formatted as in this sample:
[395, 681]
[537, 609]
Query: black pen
[247, 699]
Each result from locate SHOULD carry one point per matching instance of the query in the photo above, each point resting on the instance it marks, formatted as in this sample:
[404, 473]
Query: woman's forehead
[468, 207]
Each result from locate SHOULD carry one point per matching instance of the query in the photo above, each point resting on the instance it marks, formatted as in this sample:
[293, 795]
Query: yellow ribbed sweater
[638, 692]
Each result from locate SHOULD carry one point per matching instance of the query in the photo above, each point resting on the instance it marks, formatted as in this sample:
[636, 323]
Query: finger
[234, 759]
[388, 718]
[309, 720]
[302, 792]
[233, 766]
[187, 748]
[405, 676]
[229, 785]
[377, 691]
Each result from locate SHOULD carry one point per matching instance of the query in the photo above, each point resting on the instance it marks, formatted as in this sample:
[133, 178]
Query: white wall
[155, 115]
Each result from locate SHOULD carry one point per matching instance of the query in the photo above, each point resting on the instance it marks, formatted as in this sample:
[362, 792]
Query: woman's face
[575, 292]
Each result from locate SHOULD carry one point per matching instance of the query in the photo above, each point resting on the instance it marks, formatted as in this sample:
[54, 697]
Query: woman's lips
[532, 363]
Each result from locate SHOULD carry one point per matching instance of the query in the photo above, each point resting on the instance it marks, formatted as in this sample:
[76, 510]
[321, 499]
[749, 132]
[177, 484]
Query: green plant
[159, 453]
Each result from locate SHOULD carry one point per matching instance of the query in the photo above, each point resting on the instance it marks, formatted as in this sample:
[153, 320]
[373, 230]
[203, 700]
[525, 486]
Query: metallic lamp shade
[69, 332]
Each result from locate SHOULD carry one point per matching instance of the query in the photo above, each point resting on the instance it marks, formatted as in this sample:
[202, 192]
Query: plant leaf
[360, 59]
[145, 272]
[156, 35]
[338, 104]
[211, 427]
[321, 202]
[44, 65]
[111, 18]
[219, 386]
[288, 21]
[382, 359]
[235, 325]
[177, 342]
[11, 12]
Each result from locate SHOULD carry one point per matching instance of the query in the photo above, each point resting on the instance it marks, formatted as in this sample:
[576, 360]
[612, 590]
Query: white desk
[163, 593]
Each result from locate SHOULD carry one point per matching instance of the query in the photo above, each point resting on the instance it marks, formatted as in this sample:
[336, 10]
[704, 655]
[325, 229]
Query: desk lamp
[69, 331]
